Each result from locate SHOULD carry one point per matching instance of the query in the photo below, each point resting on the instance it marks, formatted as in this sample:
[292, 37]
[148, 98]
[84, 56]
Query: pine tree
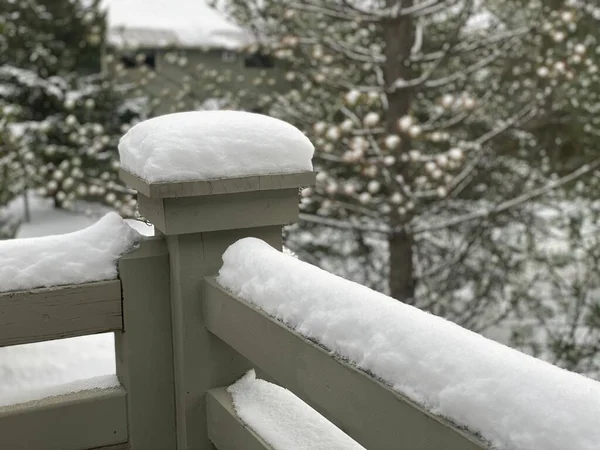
[559, 315]
[431, 123]
[66, 117]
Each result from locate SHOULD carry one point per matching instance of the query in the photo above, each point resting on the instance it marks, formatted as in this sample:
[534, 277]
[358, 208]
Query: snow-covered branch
[428, 8]
[517, 201]
[461, 180]
[342, 225]
[468, 46]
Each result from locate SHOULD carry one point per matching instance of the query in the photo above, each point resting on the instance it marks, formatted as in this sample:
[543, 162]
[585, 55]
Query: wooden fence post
[199, 221]
[144, 349]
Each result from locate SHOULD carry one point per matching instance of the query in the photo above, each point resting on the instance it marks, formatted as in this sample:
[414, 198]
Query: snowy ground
[34, 371]
[46, 220]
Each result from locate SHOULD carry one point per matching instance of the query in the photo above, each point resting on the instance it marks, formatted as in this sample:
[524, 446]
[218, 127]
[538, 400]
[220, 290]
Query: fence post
[199, 221]
[144, 350]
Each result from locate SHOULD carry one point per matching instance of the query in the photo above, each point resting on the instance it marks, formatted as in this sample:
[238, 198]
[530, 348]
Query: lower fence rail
[76, 421]
[225, 429]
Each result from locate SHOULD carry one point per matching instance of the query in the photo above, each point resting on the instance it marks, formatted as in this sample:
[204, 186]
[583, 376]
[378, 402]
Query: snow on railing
[282, 419]
[510, 399]
[81, 257]
[56, 287]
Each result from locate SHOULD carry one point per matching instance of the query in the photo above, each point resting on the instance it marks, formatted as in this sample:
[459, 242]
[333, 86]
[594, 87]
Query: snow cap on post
[209, 145]
[216, 170]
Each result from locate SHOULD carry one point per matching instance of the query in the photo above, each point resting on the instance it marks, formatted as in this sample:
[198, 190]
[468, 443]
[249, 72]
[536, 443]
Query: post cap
[210, 146]
[218, 186]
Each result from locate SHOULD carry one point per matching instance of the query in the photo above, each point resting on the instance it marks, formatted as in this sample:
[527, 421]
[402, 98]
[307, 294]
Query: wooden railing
[181, 339]
[98, 418]
[370, 412]
[60, 312]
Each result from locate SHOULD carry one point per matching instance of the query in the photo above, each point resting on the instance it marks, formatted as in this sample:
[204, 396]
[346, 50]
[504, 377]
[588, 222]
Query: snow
[206, 145]
[46, 220]
[79, 257]
[45, 369]
[511, 399]
[283, 420]
[35, 371]
[161, 24]
[54, 86]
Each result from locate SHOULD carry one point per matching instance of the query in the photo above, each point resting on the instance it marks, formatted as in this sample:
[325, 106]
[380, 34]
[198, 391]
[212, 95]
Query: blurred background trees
[454, 139]
[457, 144]
[62, 118]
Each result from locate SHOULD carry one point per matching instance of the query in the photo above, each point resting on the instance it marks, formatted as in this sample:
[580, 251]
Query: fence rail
[225, 429]
[75, 421]
[59, 312]
[180, 339]
[373, 414]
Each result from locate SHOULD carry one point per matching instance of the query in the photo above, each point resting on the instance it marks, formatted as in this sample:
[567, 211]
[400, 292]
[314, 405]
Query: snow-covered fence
[203, 202]
[56, 287]
[211, 297]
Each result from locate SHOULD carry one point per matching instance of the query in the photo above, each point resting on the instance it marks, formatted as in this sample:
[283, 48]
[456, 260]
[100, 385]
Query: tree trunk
[399, 37]
[402, 280]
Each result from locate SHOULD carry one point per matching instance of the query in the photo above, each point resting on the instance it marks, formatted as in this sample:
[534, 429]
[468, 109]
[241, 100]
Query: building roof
[171, 23]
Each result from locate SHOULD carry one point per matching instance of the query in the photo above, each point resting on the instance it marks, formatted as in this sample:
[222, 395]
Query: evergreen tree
[66, 118]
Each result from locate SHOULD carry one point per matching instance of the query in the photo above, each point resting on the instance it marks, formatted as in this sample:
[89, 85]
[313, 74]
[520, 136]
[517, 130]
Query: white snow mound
[513, 400]
[283, 420]
[80, 257]
[206, 145]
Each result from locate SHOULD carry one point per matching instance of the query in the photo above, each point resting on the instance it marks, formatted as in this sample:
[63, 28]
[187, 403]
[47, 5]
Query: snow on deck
[179, 23]
[79, 257]
[206, 145]
[511, 399]
[283, 420]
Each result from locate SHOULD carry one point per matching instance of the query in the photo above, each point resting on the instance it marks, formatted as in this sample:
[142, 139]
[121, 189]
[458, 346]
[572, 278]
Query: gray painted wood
[153, 209]
[225, 429]
[122, 446]
[219, 212]
[144, 350]
[59, 312]
[202, 361]
[198, 227]
[218, 186]
[75, 421]
[364, 408]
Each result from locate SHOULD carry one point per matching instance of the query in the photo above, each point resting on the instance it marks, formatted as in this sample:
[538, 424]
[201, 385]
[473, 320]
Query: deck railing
[181, 339]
